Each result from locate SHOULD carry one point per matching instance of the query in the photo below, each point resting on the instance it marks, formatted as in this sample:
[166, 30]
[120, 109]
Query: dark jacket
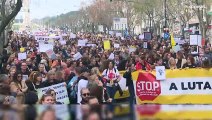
[128, 77]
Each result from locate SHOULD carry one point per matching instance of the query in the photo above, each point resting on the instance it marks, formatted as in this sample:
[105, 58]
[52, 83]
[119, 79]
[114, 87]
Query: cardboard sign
[22, 56]
[107, 45]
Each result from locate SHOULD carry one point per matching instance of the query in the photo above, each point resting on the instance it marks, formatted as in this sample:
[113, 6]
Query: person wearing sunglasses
[85, 93]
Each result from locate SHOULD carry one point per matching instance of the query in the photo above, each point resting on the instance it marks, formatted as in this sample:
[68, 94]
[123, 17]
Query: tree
[8, 12]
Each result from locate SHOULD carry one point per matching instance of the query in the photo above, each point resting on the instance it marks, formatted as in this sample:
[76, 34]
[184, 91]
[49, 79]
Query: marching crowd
[94, 78]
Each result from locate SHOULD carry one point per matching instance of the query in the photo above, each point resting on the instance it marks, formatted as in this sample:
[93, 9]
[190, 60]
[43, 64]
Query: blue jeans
[111, 91]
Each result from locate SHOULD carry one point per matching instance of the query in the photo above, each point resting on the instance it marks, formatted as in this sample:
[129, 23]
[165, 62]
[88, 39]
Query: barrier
[186, 86]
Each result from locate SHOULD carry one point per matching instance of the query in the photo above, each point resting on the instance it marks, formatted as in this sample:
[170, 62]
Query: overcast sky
[43, 8]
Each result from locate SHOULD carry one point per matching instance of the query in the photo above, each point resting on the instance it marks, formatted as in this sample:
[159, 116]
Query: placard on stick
[147, 36]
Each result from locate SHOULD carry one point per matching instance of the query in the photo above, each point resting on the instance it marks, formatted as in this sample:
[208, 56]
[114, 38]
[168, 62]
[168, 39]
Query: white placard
[22, 56]
[160, 73]
[73, 35]
[116, 45]
[82, 42]
[62, 42]
[77, 56]
[141, 37]
[60, 90]
[118, 35]
[193, 39]
[122, 83]
[91, 45]
[111, 57]
[111, 32]
[199, 38]
[145, 45]
[25, 77]
[44, 47]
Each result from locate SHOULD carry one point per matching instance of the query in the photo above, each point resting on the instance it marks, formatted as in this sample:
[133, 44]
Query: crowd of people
[94, 78]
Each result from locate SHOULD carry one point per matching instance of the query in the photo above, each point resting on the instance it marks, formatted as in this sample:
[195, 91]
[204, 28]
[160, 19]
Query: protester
[112, 77]
[93, 100]
[85, 93]
[47, 99]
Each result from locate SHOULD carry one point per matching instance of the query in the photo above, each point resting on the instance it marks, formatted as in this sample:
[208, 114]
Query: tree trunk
[4, 23]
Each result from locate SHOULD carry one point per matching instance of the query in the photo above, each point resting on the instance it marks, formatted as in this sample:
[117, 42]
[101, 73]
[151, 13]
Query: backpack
[72, 90]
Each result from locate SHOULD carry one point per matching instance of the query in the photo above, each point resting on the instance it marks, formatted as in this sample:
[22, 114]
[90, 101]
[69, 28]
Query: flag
[173, 43]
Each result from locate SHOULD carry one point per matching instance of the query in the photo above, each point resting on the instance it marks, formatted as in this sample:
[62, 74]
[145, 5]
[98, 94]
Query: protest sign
[22, 49]
[118, 35]
[111, 57]
[81, 42]
[111, 32]
[106, 44]
[132, 49]
[61, 92]
[141, 37]
[193, 39]
[160, 72]
[184, 87]
[147, 36]
[25, 77]
[145, 45]
[77, 56]
[62, 42]
[91, 45]
[73, 35]
[22, 56]
[44, 47]
[116, 45]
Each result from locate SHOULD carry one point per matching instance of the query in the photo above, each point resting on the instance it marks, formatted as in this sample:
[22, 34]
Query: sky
[43, 8]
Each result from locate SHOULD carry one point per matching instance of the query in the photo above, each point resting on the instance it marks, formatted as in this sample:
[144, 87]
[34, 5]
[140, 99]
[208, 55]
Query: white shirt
[81, 84]
[106, 73]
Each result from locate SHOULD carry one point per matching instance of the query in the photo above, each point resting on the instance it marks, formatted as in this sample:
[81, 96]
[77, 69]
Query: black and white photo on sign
[194, 49]
[147, 35]
[145, 45]
[160, 73]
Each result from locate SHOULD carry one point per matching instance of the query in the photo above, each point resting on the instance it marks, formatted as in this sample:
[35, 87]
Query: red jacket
[139, 66]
